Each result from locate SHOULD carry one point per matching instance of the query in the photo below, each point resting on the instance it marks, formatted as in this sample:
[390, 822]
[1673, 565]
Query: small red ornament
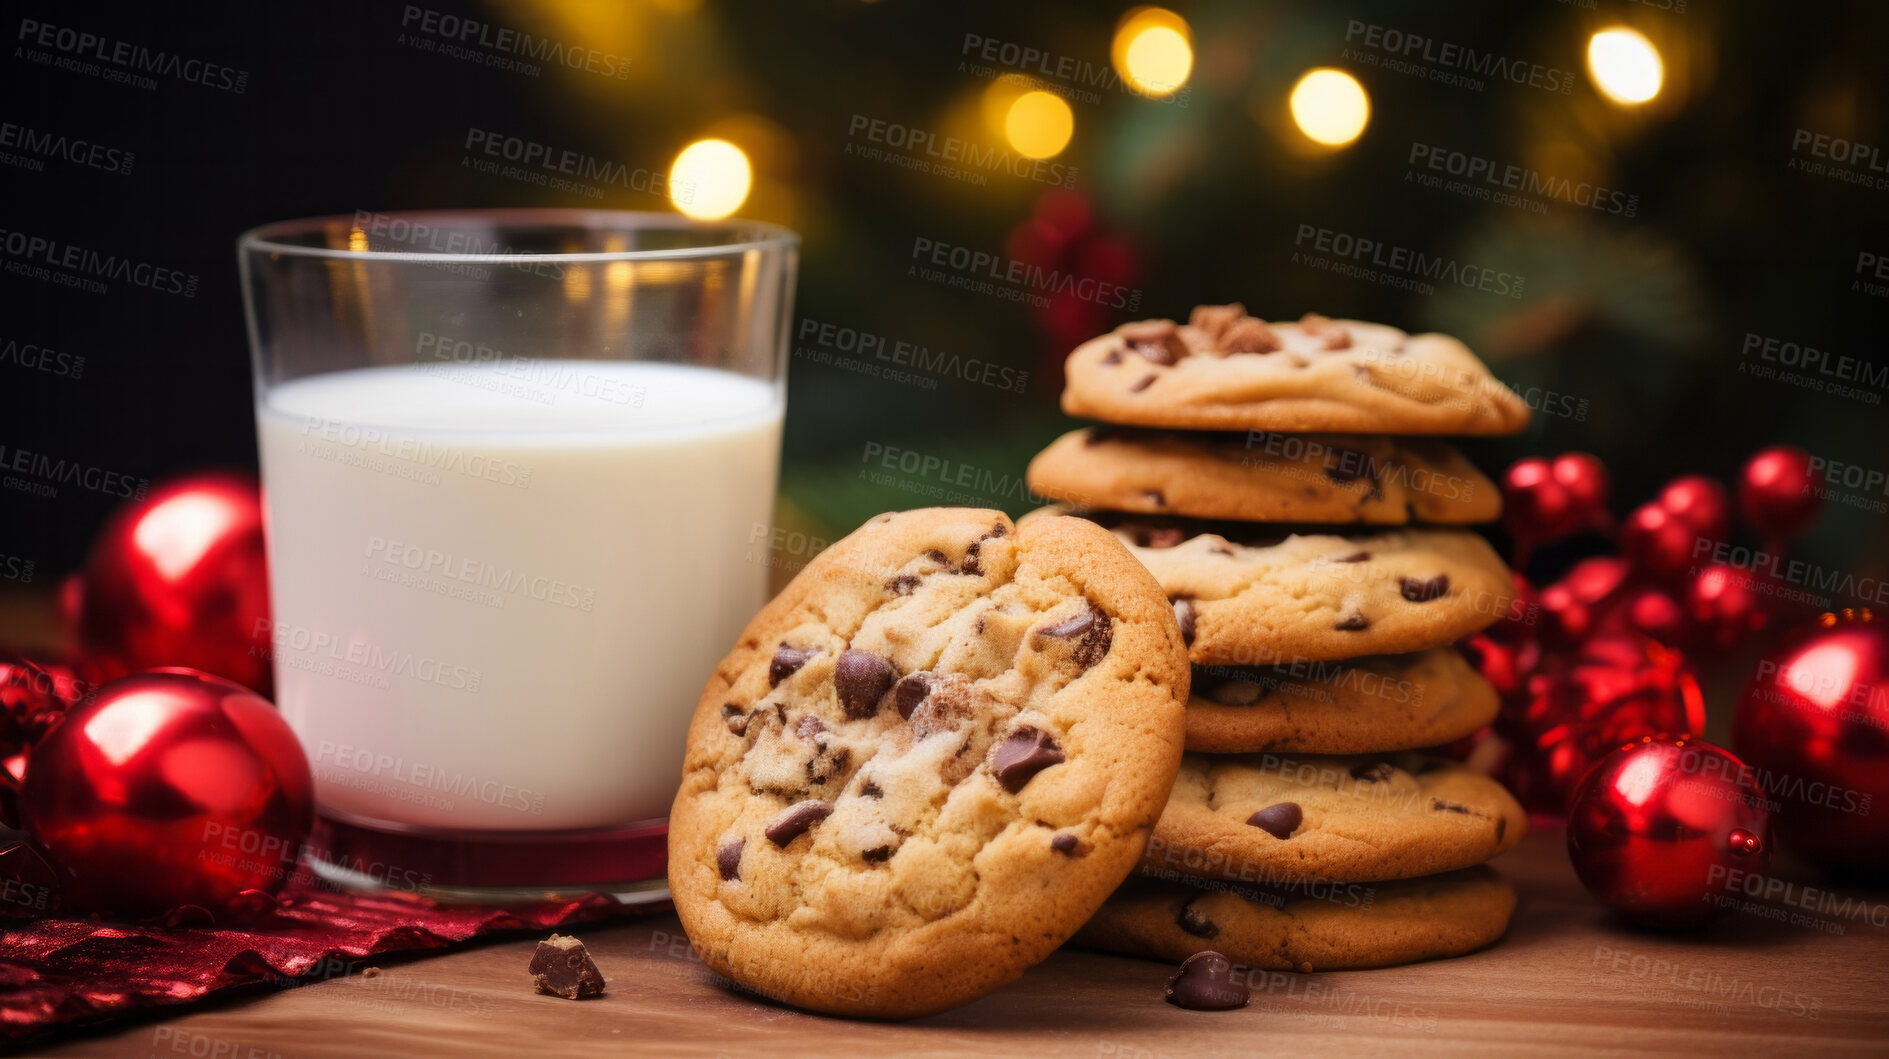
[168, 788]
[180, 579]
[1725, 606]
[1584, 700]
[1814, 721]
[1699, 502]
[1662, 830]
[1587, 484]
[1777, 493]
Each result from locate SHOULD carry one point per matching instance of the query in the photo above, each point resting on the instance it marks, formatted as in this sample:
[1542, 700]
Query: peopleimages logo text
[128, 56]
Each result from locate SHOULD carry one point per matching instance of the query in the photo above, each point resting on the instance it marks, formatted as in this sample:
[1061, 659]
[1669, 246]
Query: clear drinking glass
[512, 463]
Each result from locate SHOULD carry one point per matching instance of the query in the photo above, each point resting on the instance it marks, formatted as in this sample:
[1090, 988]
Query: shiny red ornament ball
[1726, 606]
[168, 788]
[1586, 481]
[1699, 502]
[1536, 507]
[180, 579]
[1814, 721]
[1666, 830]
[1778, 492]
[1661, 546]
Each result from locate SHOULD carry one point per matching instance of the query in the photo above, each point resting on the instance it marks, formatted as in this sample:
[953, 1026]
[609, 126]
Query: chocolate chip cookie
[1266, 477]
[1225, 370]
[1251, 595]
[1273, 818]
[1324, 927]
[927, 762]
[1362, 705]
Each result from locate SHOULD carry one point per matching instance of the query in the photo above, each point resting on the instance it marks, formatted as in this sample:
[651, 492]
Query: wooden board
[1566, 979]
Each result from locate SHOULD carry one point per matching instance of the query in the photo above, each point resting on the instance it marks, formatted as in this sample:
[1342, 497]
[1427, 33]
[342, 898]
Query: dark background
[1642, 318]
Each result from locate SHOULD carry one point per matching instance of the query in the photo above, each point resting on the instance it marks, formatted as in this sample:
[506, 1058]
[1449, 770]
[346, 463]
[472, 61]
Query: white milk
[499, 588]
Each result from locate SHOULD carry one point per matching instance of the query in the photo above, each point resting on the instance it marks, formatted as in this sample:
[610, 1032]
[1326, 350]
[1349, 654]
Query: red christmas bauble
[168, 788]
[1725, 607]
[1659, 544]
[1535, 506]
[1814, 720]
[180, 579]
[1699, 502]
[1581, 702]
[1664, 830]
[1777, 492]
[1587, 484]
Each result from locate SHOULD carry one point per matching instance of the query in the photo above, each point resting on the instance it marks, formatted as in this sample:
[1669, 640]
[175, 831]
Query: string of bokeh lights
[1153, 53]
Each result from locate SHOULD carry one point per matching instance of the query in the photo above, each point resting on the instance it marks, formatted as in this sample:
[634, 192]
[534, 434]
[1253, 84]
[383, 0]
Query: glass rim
[748, 235]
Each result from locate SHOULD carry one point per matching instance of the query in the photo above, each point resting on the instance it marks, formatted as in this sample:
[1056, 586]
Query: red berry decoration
[179, 579]
[1814, 720]
[1663, 829]
[1777, 493]
[1668, 537]
[165, 789]
[1585, 479]
[1699, 502]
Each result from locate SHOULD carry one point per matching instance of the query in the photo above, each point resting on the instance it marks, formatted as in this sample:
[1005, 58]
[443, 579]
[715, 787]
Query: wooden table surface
[1566, 979]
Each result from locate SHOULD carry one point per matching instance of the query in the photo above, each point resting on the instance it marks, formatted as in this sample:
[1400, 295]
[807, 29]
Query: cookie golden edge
[1174, 476]
[1453, 701]
[1405, 922]
[940, 965]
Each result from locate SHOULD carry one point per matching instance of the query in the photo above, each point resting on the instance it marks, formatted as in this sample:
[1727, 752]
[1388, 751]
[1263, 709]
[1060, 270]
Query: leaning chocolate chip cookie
[1265, 477]
[1281, 818]
[1245, 596]
[1225, 370]
[1317, 927]
[927, 762]
[1361, 705]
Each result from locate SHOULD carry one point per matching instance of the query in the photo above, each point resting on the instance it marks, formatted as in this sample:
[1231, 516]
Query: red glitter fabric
[57, 972]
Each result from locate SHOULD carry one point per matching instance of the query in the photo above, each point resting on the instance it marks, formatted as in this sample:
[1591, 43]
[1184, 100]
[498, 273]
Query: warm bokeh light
[710, 179]
[1330, 106]
[1039, 124]
[1153, 51]
[1624, 65]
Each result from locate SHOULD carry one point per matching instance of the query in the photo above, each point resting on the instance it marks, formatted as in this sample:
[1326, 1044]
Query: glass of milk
[513, 461]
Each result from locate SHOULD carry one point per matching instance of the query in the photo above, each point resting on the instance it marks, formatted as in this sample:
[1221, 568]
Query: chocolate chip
[938, 557]
[1353, 622]
[902, 585]
[1354, 557]
[562, 967]
[1155, 497]
[1329, 333]
[1250, 335]
[1185, 613]
[1215, 319]
[1205, 982]
[861, 678]
[1197, 924]
[870, 789]
[809, 726]
[1373, 771]
[1097, 435]
[877, 854]
[1026, 752]
[787, 661]
[734, 717]
[1236, 693]
[1146, 382]
[1417, 591]
[1501, 827]
[909, 692]
[1091, 630]
[1064, 842]
[794, 820]
[728, 857]
[1157, 341]
[1279, 820]
[971, 564]
[997, 529]
[1146, 331]
[1114, 357]
[1158, 536]
[1440, 806]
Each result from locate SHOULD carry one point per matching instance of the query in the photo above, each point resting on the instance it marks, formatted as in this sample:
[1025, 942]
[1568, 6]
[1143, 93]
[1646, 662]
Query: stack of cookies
[1284, 484]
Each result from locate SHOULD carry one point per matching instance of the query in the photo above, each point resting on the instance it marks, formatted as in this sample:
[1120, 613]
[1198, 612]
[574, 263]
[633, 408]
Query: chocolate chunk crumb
[938, 557]
[861, 678]
[794, 820]
[1353, 622]
[909, 692]
[1250, 335]
[728, 858]
[870, 790]
[1156, 341]
[1092, 632]
[1146, 381]
[877, 854]
[1197, 924]
[1026, 752]
[971, 564]
[1423, 591]
[562, 967]
[1114, 357]
[1188, 617]
[787, 661]
[734, 717]
[1064, 842]
[1373, 771]
[1205, 982]
[902, 585]
[1213, 320]
[1279, 820]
